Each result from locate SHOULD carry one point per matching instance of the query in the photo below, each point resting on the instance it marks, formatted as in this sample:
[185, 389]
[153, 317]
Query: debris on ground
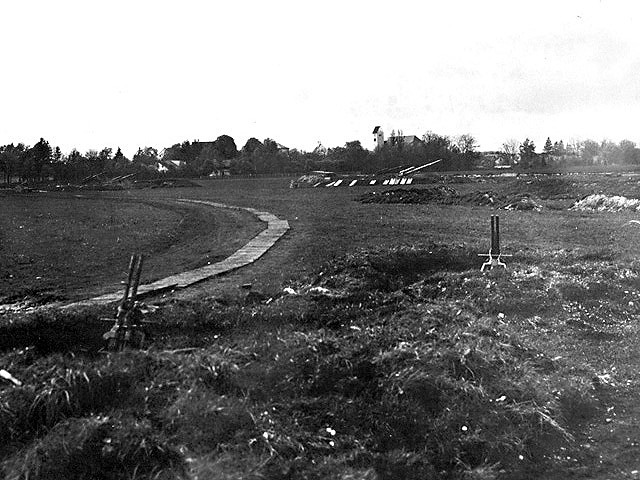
[439, 194]
[606, 203]
[524, 203]
[7, 376]
[310, 180]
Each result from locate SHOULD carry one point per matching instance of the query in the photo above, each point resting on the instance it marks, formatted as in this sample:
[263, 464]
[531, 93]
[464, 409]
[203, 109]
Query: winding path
[246, 255]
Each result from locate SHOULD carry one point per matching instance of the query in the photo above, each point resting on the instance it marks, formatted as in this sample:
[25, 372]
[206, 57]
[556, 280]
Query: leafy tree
[40, 154]
[77, 166]
[268, 158]
[11, 157]
[147, 156]
[105, 160]
[629, 153]
[609, 153]
[559, 148]
[57, 155]
[437, 146]
[250, 146]
[465, 147]
[120, 162]
[226, 147]
[528, 156]
[348, 158]
[589, 150]
[186, 152]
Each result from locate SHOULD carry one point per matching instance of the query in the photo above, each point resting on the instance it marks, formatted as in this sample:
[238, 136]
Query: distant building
[164, 166]
[378, 138]
[393, 140]
[404, 140]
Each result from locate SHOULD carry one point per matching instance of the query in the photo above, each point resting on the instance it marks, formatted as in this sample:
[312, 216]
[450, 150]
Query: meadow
[390, 356]
[67, 246]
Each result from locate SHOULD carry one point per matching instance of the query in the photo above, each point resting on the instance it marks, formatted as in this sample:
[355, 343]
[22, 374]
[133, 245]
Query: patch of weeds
[54, 330]
[98, 447]
[217, 420]
[584, 255]
[69, 392]
[61, 387]
[578, 403]
[391, 269]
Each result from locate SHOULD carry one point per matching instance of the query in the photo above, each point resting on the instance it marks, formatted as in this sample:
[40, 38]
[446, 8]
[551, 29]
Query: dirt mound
[309, 180]
[439, 194]
[606, 203]
[481, 198]
[361, 273]
[444, 194]
[548, 188]
[523, 203]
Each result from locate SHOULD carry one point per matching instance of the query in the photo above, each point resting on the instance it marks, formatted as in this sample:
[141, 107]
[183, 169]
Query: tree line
[40, 162]
[574, 153]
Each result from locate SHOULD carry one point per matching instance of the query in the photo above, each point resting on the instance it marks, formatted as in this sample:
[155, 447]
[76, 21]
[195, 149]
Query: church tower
[378, 138]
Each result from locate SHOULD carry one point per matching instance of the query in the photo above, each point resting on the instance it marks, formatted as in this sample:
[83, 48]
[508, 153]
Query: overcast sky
[153, 73]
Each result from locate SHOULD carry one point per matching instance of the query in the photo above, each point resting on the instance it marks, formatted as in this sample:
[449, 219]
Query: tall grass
[407, 363]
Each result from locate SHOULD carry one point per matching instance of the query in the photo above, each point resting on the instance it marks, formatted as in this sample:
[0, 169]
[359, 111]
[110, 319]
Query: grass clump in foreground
[372, 375]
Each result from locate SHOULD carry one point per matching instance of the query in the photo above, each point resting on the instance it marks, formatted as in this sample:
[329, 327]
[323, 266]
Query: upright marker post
[495, 254]
[126, 325]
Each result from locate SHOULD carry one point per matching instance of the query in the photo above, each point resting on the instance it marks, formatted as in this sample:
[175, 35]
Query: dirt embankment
[533, 193]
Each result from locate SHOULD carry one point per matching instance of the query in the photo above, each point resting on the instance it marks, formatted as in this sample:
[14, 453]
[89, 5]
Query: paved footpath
[246, 255]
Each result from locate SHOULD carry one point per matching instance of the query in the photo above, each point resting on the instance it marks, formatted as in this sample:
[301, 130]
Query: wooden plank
[249, 253]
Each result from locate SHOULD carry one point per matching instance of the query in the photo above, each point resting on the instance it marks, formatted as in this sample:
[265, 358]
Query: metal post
[495, 254]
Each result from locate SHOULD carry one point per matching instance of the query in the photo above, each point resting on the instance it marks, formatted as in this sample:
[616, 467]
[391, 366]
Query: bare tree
[511, 146]
[466, 143]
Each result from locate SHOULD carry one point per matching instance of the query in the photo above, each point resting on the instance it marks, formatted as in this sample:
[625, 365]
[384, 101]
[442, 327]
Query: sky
[137, 73]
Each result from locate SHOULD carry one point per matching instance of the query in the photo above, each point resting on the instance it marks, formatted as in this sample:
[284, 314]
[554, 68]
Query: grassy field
[395, 358]
[56, 247]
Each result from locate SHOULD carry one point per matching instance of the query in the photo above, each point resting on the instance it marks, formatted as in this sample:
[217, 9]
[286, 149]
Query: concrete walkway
[246, 255]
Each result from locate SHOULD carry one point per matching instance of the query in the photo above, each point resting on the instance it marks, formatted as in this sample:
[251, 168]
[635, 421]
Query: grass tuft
[97, 447]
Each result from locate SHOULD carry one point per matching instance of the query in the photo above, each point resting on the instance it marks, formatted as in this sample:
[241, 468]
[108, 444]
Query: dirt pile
[523, 203]
[446, 195]
[486, 197]
[440, 194]
[606, 203]
[309, 180]
[547, 188]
